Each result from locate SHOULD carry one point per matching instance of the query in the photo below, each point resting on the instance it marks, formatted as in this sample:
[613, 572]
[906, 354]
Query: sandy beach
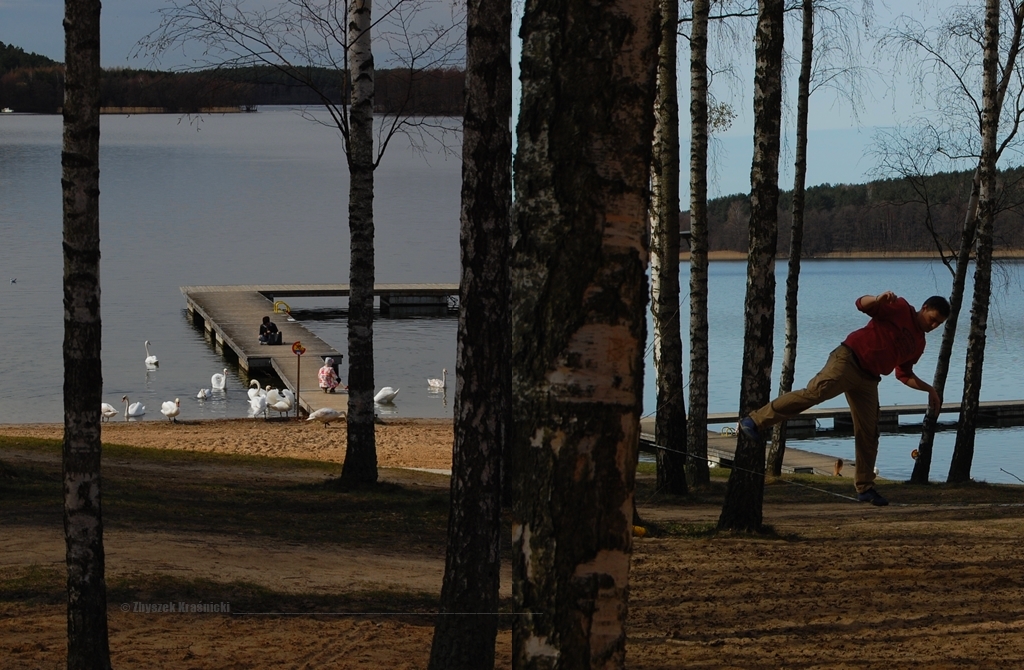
[401, 443]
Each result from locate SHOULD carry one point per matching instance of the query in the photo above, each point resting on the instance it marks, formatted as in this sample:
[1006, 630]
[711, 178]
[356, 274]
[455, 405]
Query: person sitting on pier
[269, 334]
[328, 376]
[892, 340]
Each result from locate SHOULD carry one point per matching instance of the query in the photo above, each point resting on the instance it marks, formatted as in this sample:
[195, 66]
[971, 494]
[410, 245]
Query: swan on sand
[171, 409]
[327, 415]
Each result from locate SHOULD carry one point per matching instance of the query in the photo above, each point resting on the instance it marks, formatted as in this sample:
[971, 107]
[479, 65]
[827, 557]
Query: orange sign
[298, 349]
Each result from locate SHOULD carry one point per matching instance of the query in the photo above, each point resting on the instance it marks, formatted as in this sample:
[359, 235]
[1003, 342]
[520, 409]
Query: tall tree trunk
[922, 465]
[796, 234]
[468, 624]
[88, 645]
[579, 294]
[697, 427]
[963, 451]
[743, 497]
[670, 413]
[361, 454]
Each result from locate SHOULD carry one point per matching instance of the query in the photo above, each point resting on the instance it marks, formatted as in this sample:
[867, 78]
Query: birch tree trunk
[697, 427]
[796, 234]
[468, 624]
[88, 645]
[579, 294]
[922, 465]
[963, 451]
[743, 498]
[361, 454]
[670, 413]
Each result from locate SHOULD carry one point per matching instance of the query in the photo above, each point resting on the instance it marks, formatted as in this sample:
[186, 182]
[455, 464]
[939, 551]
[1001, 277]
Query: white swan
[258, 405]
[441, 383]
[151, 360]
[171, 409]
[108, 412]
[255, 390]
[204, 394]
[219, 379]
[385, 395]
[327, 415]
[282, 402]
[133, 409]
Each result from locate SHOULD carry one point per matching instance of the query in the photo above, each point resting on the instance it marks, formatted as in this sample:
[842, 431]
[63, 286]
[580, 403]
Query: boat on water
[6, 110]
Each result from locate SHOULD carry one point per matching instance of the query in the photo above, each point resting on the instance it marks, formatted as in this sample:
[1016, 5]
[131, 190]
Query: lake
[262, 198]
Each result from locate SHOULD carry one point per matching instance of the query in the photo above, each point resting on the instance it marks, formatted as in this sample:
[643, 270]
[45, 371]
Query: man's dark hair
[939, 304]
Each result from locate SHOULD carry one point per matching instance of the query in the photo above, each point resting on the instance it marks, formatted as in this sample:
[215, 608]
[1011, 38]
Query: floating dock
[231, 315]
[722, 450]
[990, 413]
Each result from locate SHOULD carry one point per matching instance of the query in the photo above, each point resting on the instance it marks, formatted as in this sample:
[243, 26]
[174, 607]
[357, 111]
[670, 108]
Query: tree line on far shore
[884, 216]
[33, 83]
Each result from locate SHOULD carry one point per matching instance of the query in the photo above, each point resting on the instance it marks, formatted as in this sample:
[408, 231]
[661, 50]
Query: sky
[839, 143]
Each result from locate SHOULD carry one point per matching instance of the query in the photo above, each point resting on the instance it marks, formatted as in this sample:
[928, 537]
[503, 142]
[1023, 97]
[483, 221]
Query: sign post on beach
[298, 350]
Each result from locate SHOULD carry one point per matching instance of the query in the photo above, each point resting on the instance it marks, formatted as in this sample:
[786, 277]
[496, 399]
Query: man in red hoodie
[892, 340]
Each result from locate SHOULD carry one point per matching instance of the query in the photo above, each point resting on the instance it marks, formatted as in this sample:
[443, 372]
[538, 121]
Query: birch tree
[88, 646]
[699, 365]
[963, 451]
[670, 433]
[466, 628]
[777, 452]
[579, 294]
[743, 499]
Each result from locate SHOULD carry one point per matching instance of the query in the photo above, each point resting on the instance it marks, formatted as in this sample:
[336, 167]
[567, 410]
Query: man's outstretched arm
[915, 382]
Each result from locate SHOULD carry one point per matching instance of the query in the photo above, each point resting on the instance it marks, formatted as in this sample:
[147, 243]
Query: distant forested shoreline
[880, 217]
[34, 83]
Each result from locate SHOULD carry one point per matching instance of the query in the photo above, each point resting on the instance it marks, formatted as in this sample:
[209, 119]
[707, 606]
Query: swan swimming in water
[151, 360]
[171, 409]
[386, 395]
[255, 390]
[219, 379]
[134, 409]
[438, 384]
[108, 412]
[204, 394]
[327, 415]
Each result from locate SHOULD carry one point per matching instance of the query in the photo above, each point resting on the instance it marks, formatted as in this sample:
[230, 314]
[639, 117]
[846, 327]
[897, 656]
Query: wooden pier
[722, 449]
[231, 315]
[990, 413]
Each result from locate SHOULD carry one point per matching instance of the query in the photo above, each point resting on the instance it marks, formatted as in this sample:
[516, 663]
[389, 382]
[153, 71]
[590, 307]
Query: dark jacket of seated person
[269, 334]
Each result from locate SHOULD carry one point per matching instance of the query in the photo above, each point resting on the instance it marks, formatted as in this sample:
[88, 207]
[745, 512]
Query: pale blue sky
[837, 141]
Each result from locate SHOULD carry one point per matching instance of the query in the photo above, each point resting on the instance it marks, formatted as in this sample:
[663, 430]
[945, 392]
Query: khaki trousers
[841, 374]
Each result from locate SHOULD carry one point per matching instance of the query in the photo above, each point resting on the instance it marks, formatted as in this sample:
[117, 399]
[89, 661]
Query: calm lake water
[262, 198]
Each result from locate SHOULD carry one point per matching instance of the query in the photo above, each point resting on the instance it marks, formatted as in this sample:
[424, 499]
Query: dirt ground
[935, 580]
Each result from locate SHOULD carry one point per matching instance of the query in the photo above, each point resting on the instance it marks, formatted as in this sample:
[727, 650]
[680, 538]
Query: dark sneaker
[749, 429]
[874, 497]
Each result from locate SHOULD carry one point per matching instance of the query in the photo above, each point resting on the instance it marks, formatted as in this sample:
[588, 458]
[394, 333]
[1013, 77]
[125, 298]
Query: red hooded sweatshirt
[891, 340]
